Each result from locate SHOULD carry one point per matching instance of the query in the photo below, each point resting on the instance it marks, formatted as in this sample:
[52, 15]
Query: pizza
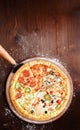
[39, 90]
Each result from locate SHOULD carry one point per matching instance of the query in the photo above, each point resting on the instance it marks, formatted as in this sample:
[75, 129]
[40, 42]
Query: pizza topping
[59, 75]
[61, 82]
[36, 67]
[26, 73]
[18, 95]
[46, 112]
[28, 89]
[51, 92]
[48, 80]
[32, 83]
[21, 79]
[47, 97]
[52, 101]
[58, 101]
[32, 111]
[44, 67]
[42, 101]
[18, 86]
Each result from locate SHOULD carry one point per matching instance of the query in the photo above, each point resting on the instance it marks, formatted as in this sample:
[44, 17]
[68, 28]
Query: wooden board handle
[5, 55]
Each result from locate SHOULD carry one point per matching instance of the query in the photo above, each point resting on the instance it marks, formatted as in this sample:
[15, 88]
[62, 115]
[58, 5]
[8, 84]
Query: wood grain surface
[50, 28]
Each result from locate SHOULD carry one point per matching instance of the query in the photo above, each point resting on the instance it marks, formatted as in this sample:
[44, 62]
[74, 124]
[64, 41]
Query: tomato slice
[35, 67]
[21, 79]
[32, 83]
[59, 75]
[58, 101]
[61, 82]
[44, 67]
[18, 95]
[51, 92]
[26, 73]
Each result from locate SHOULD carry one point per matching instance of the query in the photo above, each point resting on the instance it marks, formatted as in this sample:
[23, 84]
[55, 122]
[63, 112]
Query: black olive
[45, 112]
[42, 101]
[43, 106]
[32, 111]
[52, 101]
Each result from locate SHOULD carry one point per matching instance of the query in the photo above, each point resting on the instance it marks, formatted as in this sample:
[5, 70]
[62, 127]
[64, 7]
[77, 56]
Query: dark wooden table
[49, 28]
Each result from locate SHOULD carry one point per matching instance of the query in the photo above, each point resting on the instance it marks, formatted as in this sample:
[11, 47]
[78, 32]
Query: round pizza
[39, 90]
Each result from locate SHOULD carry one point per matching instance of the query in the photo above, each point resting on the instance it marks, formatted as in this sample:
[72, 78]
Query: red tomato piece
[58, 101]
[51, 92]
[61, 82]
[59, 75]
[44, 67]
[36, 89]
[26, 73]
[35, 67]
[21, 79]
[18, 95]
[32, 84]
